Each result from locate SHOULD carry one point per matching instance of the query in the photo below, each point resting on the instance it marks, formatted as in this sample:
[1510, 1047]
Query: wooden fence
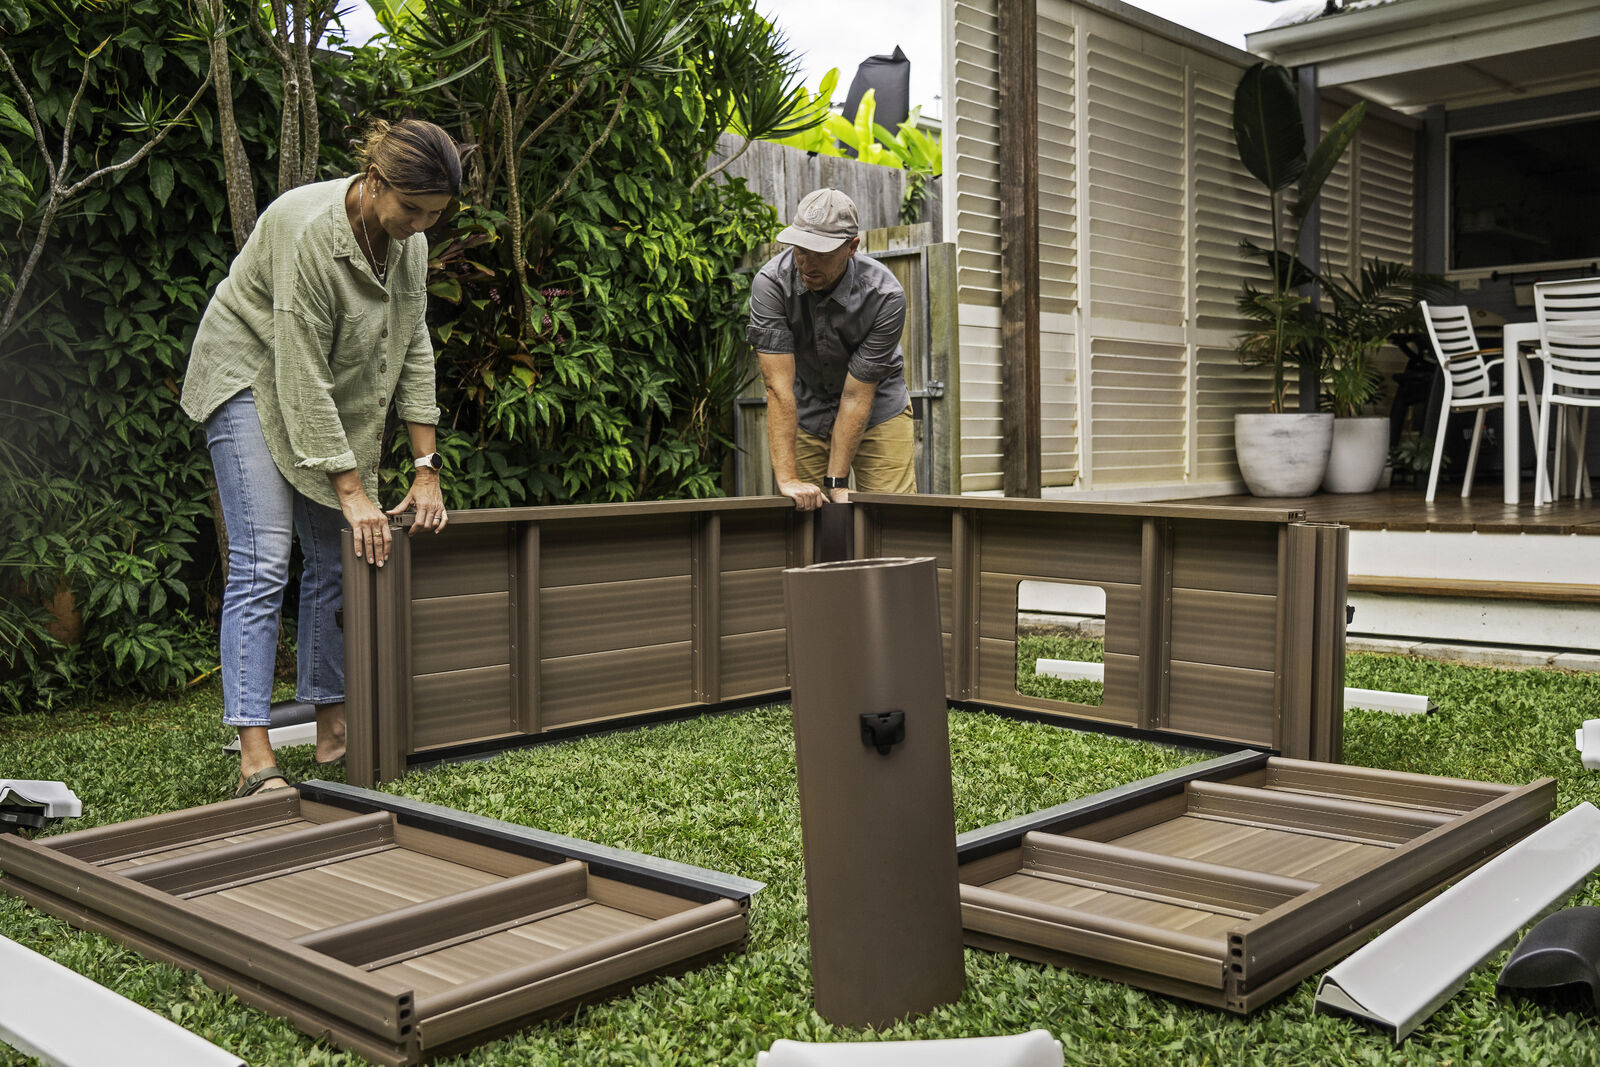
[782, 175]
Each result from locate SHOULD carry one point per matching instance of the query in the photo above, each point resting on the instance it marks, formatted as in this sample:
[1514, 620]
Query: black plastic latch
[883, 729]
[1349, 614]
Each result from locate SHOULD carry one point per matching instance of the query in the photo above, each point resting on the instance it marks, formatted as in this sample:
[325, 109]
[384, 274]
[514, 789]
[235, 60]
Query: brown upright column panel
[872, 750]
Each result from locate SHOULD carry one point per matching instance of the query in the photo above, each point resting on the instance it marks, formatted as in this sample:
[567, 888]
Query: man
[826, 325]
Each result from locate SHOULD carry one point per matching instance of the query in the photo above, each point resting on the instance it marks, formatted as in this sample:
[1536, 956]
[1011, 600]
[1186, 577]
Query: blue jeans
[261, 509]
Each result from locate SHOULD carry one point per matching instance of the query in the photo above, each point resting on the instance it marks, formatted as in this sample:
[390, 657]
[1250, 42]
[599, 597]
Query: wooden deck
[1405, 509]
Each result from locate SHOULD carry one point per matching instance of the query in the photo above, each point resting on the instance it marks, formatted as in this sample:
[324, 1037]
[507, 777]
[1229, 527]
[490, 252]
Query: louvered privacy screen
[1142, 207]
[397, 929]
[1229, 882]
[1225, 624]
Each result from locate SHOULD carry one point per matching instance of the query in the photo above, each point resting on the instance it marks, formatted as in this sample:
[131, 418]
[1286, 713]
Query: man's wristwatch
[830, 482]
[432, 461]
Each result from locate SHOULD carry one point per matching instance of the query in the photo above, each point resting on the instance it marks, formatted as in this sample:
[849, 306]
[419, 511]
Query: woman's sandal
[252, 785]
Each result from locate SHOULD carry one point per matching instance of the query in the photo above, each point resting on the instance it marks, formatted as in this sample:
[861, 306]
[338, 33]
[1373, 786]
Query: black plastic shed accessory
[395, 929]
[1561, 955]
[877, 817]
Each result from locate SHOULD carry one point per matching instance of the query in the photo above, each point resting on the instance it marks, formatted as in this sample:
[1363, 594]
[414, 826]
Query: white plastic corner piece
[1402, 976]
[1589, 744]
[54, 798]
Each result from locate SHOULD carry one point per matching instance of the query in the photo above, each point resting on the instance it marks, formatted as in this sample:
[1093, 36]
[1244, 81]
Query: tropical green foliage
[105, 536]
[608, 373]
[1271, 140]
[1358, 316]
[590, 347]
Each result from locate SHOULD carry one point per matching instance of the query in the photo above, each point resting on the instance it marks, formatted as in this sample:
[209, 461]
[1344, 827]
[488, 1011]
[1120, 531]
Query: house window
[1528, 195]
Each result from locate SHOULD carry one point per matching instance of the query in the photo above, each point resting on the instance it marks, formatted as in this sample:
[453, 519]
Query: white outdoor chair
[1569, 320]
[1468, 384]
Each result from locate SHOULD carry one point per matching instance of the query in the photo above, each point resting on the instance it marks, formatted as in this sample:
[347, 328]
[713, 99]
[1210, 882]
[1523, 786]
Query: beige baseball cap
[824, 220]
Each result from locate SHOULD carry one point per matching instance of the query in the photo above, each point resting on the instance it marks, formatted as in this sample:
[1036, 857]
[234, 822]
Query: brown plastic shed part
[395, 929]
[1230, 882]
[520, 625]
[872, 751]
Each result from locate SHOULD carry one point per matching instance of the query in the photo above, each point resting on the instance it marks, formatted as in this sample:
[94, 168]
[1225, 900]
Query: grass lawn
[720, 792]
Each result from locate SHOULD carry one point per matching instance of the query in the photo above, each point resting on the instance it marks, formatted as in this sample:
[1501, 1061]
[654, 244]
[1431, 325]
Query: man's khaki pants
[884, 461]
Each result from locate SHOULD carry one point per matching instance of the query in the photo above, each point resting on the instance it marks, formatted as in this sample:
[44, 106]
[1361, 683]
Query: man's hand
[806, 496]
[839, 496]
[428, 499]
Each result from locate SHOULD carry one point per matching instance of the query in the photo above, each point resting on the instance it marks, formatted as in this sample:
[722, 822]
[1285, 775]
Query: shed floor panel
[1312, 857]
[343, 891]
[569, 929]
[1110, 904]
[208, 845]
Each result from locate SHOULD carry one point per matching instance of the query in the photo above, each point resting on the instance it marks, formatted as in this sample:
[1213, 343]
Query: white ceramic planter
[1282, 454]
[1360, 449]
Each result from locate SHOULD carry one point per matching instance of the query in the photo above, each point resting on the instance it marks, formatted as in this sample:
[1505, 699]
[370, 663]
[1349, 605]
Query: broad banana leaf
[1267, 127]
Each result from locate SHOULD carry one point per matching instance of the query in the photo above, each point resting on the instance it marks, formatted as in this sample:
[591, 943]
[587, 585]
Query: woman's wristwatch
[830, 482]
[432, 461]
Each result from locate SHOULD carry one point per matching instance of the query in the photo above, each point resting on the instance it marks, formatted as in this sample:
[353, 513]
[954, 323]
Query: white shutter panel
[1136, 251]
[1058, 245]
[1339, 254]
[974, 131]
[1230, 206]
[1385, 206]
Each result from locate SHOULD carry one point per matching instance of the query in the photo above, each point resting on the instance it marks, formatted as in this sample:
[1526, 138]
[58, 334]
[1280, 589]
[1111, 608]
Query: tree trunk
[235, 164]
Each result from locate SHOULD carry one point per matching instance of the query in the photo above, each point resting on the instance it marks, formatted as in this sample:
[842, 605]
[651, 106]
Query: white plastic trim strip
[1036, 1048]
[44, 1009]
[1405, 974]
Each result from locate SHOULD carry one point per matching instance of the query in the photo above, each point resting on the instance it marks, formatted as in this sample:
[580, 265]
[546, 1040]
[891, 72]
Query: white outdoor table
[1514, 335]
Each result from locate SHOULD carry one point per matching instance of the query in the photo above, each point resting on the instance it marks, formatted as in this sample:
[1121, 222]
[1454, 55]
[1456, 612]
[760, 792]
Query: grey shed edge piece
[1418, 954]
[633, 868]
[997, 837]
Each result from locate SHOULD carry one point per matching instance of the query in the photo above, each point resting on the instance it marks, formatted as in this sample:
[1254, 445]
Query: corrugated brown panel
[754, 663]
[750, 542]
[997, 682]
[453, 633]
[913, 534]
[752, 601]
[1232, 557]
[997, 594]
[1230, 703]
[607, 684]
[1090, 548]
[1228, 629]
[460, 561]
[459, 706]
[579, 619]
[945, 577]
[595, 552]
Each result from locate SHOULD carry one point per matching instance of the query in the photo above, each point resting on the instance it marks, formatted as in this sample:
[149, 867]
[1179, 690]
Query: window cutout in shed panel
[1061, 628]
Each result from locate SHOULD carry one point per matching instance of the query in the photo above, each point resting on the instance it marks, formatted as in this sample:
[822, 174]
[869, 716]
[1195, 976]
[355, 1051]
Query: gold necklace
[380, 271]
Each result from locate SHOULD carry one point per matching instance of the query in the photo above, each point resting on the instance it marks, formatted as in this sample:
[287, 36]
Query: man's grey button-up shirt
[854, 329]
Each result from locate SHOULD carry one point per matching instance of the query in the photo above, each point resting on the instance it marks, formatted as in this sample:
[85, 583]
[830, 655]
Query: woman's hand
[428, 499]
[368, 525]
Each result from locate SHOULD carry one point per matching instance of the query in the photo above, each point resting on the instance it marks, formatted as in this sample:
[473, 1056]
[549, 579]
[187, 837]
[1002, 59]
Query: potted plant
[1282, 453]
[1358, 316]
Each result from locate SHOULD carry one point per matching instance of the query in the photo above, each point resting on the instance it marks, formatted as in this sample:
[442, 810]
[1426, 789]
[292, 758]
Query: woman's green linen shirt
[303, 322]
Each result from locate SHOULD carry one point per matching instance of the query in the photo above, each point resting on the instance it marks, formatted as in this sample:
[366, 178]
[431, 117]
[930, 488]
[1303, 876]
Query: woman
[316, 330]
